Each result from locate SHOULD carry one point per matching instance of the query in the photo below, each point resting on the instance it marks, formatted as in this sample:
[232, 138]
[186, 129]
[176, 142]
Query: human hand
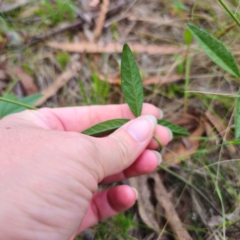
[49, 173]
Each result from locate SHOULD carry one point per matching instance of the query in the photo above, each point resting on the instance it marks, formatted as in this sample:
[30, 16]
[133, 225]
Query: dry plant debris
[171, 215]
[185, 149]
[87, 47]
[100, 20]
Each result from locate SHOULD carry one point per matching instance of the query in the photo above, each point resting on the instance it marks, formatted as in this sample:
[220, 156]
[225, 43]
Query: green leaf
[215, 50]
[237, 116]
[15, 105]
[105, 128]
[188, 37]
[131, 82]
[174, 128]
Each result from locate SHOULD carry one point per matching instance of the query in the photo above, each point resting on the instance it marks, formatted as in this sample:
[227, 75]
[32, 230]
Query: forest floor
[70, 52]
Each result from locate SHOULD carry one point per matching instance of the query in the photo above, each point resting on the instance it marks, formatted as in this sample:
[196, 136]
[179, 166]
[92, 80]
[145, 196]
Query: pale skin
[49, 172]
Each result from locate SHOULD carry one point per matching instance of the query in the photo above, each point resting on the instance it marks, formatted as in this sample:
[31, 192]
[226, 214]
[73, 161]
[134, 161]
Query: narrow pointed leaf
[131, 82]
[237, 116]
[215, 50]
[15, 105]
[104, 128]
[174, 128]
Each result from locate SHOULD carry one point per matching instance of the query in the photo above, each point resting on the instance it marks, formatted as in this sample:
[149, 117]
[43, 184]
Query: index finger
[78, 119]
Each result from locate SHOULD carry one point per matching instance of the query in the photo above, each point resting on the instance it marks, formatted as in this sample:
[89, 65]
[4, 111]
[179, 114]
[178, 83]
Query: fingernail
[170, 133]
[136, 192]
[161, 114]
[142, 128]
[159, 156]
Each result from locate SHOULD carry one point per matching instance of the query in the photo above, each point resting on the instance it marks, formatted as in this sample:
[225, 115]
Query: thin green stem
[158, 142]
[11, 86]
[229, 11]
[187, 80]
[190, 185]
[17, 103]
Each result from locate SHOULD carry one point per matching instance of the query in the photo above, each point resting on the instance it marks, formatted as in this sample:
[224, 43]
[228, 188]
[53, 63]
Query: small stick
[100, 21]
[172, 217]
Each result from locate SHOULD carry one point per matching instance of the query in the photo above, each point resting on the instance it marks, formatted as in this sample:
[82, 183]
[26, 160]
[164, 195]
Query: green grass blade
[174, 128]
[104, 128]
[215, 50]
[83, 92]
[10, 104]
[237, 117]
[131, 82]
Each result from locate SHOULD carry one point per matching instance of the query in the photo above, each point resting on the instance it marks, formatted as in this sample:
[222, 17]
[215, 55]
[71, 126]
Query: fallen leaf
[211, 132]
[171, 215]
[59, 83]
[3, 74]
[145, 207]
[115, 48]
[186, 119]
[27, 81]
[187, 147]
[221, 128]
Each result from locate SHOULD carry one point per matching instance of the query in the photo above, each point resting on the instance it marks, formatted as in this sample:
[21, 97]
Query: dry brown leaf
[60, 82]
[145, 207]
[115, 48]
[100, 21]
[185, 119]
[221, 128]
[184, 149]
[3, 71]
[26, 80]
[171, 215]
[211, 132]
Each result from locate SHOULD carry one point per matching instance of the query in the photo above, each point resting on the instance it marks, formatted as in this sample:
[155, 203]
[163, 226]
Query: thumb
[120, 149]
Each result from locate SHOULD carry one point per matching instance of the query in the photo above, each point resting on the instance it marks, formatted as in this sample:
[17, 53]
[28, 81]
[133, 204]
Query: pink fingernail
[136, 192]
[141, 128]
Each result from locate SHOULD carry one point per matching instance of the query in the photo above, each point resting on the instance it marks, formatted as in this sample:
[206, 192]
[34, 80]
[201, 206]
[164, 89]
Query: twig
[14, 6]
[192, 186]
[172, 217]
[60, 82]
[113, 47]
[62, 28]
[100, 21]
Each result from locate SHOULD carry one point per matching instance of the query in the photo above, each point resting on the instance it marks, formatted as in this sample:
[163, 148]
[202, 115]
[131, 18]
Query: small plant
[10, 103]
[219, 54]
[62, 9]
[133, 94]
[63, 59]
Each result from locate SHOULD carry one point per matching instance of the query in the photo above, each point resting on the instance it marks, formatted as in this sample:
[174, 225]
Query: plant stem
[158, 142]
[187, 79]
[190, 185]
[229, 11]
[17, 103]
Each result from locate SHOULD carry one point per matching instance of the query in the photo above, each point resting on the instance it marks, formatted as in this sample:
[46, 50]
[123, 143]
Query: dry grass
[213, 167]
